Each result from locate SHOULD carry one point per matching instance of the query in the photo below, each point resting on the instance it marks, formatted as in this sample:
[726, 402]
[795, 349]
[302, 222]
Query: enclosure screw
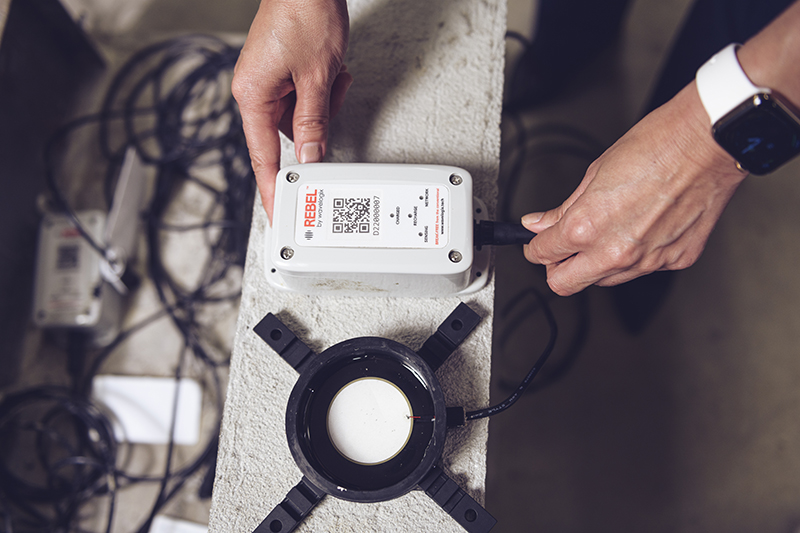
[292, 177]
[455, 256]
[287, 253]
[455, 179]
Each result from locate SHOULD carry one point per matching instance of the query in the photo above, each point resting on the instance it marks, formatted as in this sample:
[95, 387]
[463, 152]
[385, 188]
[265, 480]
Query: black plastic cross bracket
[450, 334]
[457, 503]
[282, 340]
[292, 510]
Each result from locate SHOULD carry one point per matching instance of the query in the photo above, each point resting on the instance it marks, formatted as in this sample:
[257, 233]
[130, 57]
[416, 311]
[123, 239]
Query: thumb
[538, 222]
[310, 122]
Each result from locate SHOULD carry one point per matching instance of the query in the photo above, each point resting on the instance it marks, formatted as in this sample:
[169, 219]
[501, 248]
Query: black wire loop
[172, 102]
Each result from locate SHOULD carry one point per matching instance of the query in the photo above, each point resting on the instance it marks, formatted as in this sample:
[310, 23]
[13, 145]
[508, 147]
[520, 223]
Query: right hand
[290, 77]
[648, 203]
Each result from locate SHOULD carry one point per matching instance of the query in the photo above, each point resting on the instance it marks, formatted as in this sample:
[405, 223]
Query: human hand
[648, 203]
[290, 77]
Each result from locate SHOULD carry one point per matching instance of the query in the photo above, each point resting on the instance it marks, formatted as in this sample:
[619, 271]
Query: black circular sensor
[366, 422]
[392, 370]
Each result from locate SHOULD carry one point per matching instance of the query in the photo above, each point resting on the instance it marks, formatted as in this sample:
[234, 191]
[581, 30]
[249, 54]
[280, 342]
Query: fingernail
[531, 218]
[311, 153]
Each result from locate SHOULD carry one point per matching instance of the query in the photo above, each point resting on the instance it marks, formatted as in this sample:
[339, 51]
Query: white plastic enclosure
[375, 229]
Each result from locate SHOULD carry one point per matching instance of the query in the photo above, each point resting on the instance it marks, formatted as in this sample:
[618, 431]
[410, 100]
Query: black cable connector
[488, 232]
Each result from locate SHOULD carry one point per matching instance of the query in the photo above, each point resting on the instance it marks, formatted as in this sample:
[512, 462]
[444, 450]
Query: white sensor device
[375, 230]
[75, 286]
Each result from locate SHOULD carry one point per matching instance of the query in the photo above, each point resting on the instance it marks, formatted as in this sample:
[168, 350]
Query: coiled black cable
[72, 443]
[172, 102]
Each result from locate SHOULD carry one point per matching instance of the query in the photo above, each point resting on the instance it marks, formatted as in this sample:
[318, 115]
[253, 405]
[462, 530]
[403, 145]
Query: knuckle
[310, 123]
[254, 93]
[650, 263]
[622, 254]
[241, 88]
[594, 166]
[258, 163]
[263, 164]
[580, 229]
[531, 252]
[319, 77]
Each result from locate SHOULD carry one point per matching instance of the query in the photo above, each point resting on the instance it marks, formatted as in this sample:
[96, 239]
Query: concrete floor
[691, 425]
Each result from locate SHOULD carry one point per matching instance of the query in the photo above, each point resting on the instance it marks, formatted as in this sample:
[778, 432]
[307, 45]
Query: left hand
[290, 77]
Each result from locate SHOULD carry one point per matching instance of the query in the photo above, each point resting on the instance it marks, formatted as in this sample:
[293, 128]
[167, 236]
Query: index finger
[260, 124]
[261, 101]
[558, 242]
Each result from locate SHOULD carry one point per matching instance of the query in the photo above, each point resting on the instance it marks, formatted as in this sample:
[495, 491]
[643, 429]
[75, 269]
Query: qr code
[67, 257]
[351, 215]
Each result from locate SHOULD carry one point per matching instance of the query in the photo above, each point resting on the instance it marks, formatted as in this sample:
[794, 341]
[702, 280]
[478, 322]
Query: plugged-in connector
[488, 232]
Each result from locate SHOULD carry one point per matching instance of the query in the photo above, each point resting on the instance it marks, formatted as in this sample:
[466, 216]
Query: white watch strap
[723, 85]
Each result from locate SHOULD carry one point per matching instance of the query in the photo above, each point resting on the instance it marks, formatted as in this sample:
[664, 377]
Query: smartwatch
[755, 125]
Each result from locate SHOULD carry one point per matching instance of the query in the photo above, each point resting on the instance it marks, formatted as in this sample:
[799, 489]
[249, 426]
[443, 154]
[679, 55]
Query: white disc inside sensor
[369, 421]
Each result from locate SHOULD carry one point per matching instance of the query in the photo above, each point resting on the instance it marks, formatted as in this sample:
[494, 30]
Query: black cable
[546, 140]
[558, 368]
[172, 102]
[537, 366]
[517, 36]
[86, 388]
[178, 152]
[160, 499]
[77, 341]
[58, 196]
[550, 138]
[541, 140]
[184, 472]
[75, 448]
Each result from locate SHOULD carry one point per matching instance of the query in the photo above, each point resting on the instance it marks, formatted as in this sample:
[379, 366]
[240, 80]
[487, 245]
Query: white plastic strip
[141, 408]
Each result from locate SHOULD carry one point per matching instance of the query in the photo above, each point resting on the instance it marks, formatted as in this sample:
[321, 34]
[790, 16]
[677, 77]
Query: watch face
[761, 134]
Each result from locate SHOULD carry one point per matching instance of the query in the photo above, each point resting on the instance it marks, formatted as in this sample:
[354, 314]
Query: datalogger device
[375, 229]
